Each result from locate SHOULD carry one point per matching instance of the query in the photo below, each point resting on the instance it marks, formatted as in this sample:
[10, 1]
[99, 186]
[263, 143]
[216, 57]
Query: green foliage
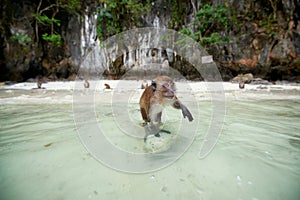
[71, 6]
[115, 16]
[178, 9]
[209, 16]
[268, 25]
[188, 32]
[104, 16]
[23, 40]
[43, 19]
[208, 21]
[47, 25]
[267, 22]
[215, 38]
[53, 38]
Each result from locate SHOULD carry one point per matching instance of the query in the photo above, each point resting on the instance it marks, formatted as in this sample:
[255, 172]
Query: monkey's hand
[186, 112]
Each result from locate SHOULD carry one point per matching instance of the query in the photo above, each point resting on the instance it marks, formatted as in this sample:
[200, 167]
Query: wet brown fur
[153, 96]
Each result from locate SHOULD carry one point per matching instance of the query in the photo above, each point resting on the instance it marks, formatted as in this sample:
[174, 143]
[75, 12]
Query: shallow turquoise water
[257, 155]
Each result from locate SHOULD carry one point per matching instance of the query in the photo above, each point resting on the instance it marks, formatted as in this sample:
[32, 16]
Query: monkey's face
[167, 89]
[241, 84]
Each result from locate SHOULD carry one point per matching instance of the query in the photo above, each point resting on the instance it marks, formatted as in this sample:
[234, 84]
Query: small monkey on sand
[160, 93]
[86, 84]
[107, 86]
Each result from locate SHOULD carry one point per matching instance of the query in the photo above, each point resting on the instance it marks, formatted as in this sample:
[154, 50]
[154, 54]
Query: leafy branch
[53, 38]
[46, 17]
[43, 19]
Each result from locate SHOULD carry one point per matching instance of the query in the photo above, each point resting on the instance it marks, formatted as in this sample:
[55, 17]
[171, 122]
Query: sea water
[257, 155]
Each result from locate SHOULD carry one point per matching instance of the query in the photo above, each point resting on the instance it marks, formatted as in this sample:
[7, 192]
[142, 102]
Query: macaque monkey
[107, 86]
[39, 82]
[242, 84]
[160, 93]
[86, 84]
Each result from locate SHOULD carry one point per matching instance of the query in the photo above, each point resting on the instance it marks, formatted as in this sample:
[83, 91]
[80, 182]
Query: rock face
[264, 39]
[24, 55]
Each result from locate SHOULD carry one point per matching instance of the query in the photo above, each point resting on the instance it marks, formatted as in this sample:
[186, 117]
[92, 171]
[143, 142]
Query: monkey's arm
[185, 111]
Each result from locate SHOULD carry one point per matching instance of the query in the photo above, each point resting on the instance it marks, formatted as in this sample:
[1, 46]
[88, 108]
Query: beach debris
[48, 145]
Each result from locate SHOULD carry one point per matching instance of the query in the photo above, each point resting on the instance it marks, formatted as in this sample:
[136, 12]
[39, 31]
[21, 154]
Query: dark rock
[283, 52]
[63, 72]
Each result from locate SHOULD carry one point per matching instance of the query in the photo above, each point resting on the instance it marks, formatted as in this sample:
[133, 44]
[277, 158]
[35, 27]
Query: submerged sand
[42, 157]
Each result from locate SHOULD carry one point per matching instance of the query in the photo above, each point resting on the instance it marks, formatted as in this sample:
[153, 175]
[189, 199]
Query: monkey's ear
[153, 85]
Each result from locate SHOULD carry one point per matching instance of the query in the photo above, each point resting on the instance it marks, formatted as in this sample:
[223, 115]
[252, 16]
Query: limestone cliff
[51, 38]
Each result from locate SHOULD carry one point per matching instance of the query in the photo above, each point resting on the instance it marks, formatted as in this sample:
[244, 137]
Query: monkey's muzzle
[170, 94]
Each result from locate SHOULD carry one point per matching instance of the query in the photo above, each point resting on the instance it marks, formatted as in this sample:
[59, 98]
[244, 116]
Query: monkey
[160, 93]
[39, 82]
[107, 86]
[86, 84]
[241, 84]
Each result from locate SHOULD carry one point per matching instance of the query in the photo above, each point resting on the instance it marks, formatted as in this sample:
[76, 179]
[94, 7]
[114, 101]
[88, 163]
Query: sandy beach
[200, 90]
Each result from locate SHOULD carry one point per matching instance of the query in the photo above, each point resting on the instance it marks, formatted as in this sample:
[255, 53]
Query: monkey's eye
[166, 85]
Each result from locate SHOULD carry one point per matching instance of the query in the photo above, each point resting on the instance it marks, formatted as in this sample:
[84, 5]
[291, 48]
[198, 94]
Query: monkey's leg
[158, 119]
[159, 123]
[151, 129]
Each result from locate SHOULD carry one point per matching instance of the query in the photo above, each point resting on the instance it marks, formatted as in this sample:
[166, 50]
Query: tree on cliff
[45, 17]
